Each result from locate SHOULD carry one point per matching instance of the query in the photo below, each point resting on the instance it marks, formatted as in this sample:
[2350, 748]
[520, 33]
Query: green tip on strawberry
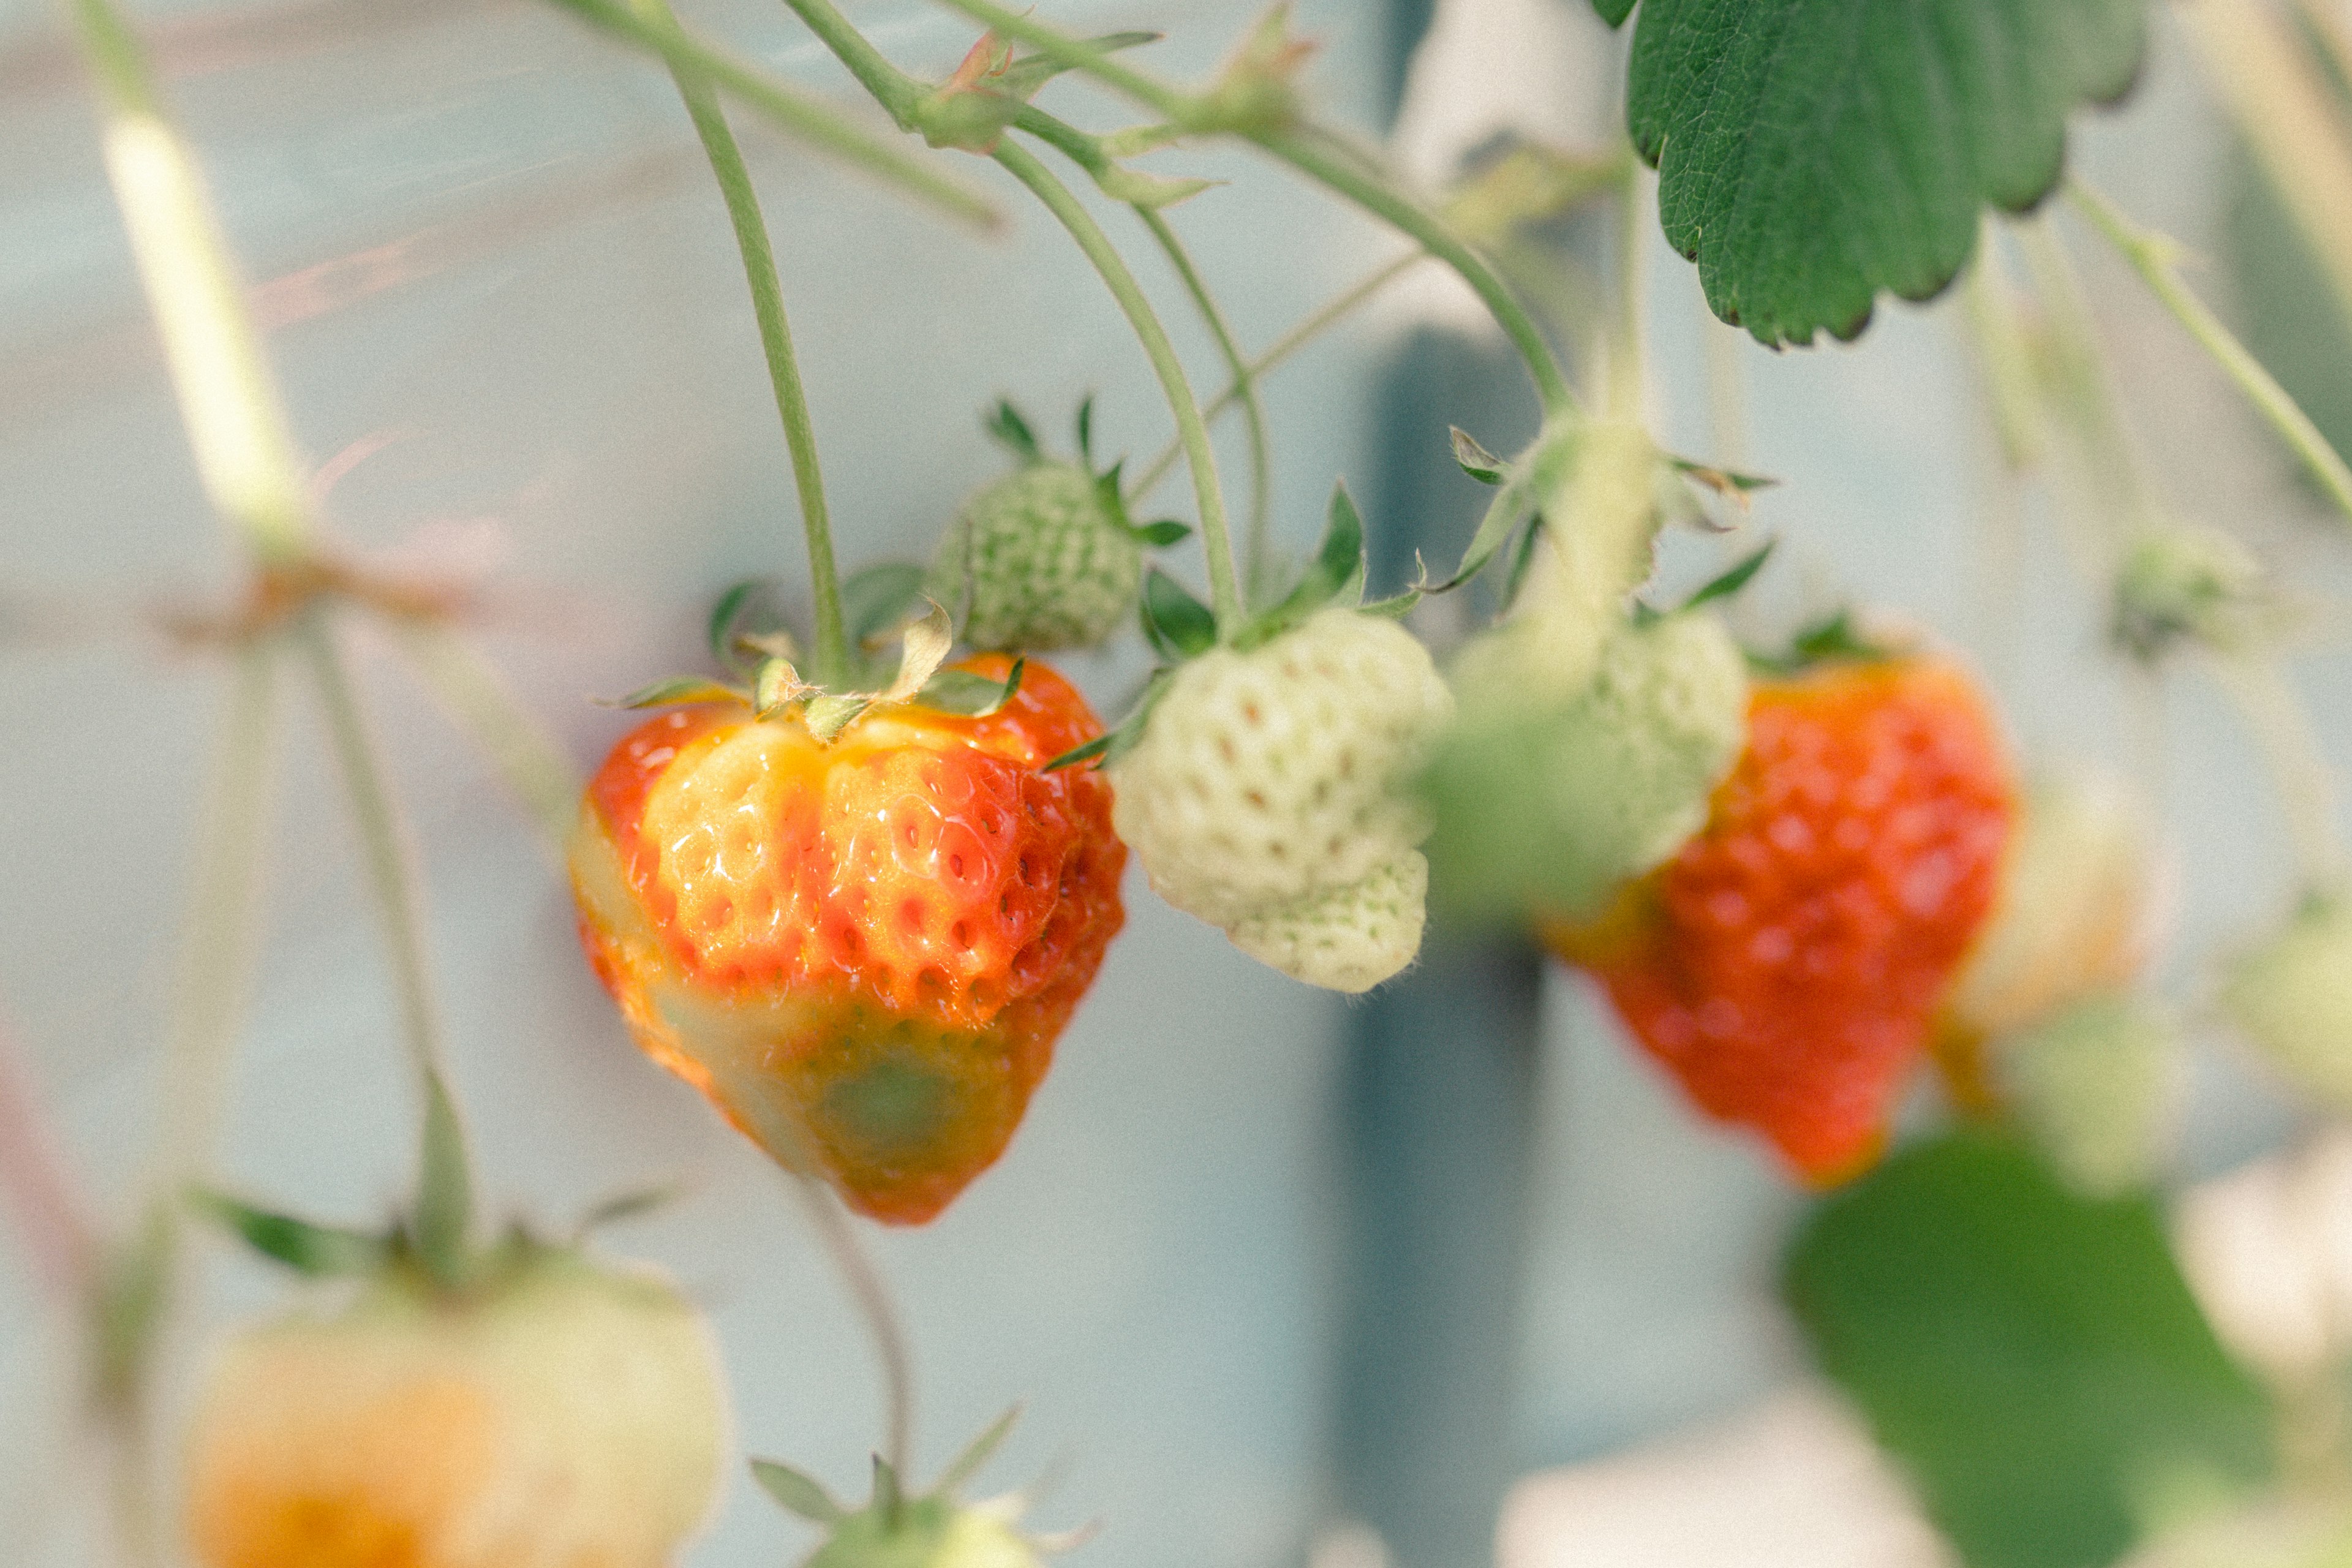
[2292, 998]
[1046, 557]
[933, 1531]
[1546, 806]
[2096, 1084]
[551, 1412]
[2189, 586]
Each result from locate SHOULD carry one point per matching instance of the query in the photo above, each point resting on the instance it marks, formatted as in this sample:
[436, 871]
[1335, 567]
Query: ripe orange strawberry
[1785, 965]
[861, 951]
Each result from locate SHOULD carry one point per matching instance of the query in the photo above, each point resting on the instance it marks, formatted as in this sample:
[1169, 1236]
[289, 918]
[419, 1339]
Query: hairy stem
[833, 665]
[1216, 538]
[1244, 386]
[2154, 257]
[1311, 155]
[444, 1184]
[228, 398]
[772, 99]
[516, 744]
[872, 1295]
[1312, 327]
[56, 1229]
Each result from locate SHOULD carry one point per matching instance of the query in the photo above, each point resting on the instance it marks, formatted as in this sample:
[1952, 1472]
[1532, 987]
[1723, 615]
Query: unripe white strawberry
[550, 1416]
[1039, 560]
[1271, 793]
[1547, 804]
[2292, 998]
[931, 1532]
[2096, 1083]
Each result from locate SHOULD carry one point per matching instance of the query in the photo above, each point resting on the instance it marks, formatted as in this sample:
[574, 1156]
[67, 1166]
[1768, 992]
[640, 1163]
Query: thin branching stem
[1216, 537]
[833, 664]
[872, 1296]
[1244, 387]
[2155, 257]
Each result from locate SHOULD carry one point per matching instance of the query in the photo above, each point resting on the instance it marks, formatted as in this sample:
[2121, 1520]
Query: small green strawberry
[1046, 557]
[1545, 805]
[2188, 585]
[2292, 996]
[2096, 1084]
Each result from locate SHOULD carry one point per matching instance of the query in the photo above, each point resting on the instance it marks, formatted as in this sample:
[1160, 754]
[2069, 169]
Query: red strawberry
[861, 951]
[1786, 964]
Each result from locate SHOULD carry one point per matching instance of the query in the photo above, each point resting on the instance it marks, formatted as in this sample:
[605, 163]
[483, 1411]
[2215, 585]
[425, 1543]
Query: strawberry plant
[854, 887]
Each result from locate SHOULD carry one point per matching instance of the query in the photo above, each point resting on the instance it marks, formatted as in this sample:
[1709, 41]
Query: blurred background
[1419, 1279]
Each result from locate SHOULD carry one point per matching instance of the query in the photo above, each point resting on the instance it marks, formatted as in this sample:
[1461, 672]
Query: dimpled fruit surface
[1784, 965]
[862, 952]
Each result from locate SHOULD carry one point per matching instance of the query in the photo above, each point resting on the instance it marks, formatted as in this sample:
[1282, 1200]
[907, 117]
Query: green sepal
[1161, 534]
[1475, 460]
[1335, 575]
[1395, 607]
[1125, 735]
[1523, 555]
[1741, 574]
[445, 1190]
[1012, 431]
[799, 1493]
[1178, 624]
[888, 1494]
[960, 691]
[1086, 422]
[828, 716]
[777, 685]
[624, 1206]
[679, 690]
[321, 1252]
[1151, 192]
[728, 613]
[1514, 502]
[877, 601]
[1025, 76]
[977, 1453]
[1727, 482]
[1835, 636]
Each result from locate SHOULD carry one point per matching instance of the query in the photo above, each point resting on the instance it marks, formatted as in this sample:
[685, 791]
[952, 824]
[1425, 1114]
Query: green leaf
[1177, 624]
[978, 1452]
[972, 696]
[1475, 459]
[1005, 424]
[877, 602]
[799, 1493]
[1160, 535]
[2033, 1358]
[445, 1190]
[1731, 582]
[676, 691]
[320, 1251]
[1811, 154]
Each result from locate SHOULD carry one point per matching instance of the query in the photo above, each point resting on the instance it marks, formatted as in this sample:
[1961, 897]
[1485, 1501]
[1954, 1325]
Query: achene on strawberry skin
[862, 952]
[1785, 964]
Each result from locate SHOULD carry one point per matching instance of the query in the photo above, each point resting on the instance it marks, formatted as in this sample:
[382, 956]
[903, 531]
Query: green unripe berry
[1039, 561]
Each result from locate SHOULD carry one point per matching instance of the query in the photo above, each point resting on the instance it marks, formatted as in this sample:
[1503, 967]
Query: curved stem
[228, 398]
[1310, 328]
[774, 102]
[1245, 388]
[726, 157]
[1305, 151]
[445, 1186]
[2153, 256]
[893, 89]
[872, 1295]
[1216, 538]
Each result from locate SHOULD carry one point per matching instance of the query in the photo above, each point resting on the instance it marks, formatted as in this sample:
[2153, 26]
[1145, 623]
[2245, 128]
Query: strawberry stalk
[2155, 257]
[1309, 153]
[1216, 539]
[719, 144]
[1243, 388]
[872, 1295]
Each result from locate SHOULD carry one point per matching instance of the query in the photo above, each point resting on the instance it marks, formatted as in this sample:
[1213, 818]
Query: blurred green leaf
[798, 1492]
[318, 1250]
[2033, 1358]
[1178, 624]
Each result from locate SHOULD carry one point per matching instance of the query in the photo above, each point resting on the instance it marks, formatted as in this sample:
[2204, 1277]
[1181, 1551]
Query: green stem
[872, 1296]
[1630, 359]
[1305, 152]
[1216, 538]
[517, 746]
[893, 89]
[2281, 725]
[444, 1185]
[2153, 256]
[1245, 387]
[833, 665]
[773, 100]
[1312, 327]
[228, 398]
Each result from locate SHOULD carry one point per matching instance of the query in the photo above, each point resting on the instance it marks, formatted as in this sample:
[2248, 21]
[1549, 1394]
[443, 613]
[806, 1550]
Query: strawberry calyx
[1011, 429]
[1840, 636]
[278, 591]
[989, 88]
[933, 1529]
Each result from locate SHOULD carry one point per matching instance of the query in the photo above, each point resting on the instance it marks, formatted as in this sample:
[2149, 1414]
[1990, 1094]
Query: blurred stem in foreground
[871, 1293]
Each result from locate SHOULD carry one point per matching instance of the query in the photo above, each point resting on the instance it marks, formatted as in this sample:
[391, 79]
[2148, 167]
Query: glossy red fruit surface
[1785, 965]
[862, 952]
